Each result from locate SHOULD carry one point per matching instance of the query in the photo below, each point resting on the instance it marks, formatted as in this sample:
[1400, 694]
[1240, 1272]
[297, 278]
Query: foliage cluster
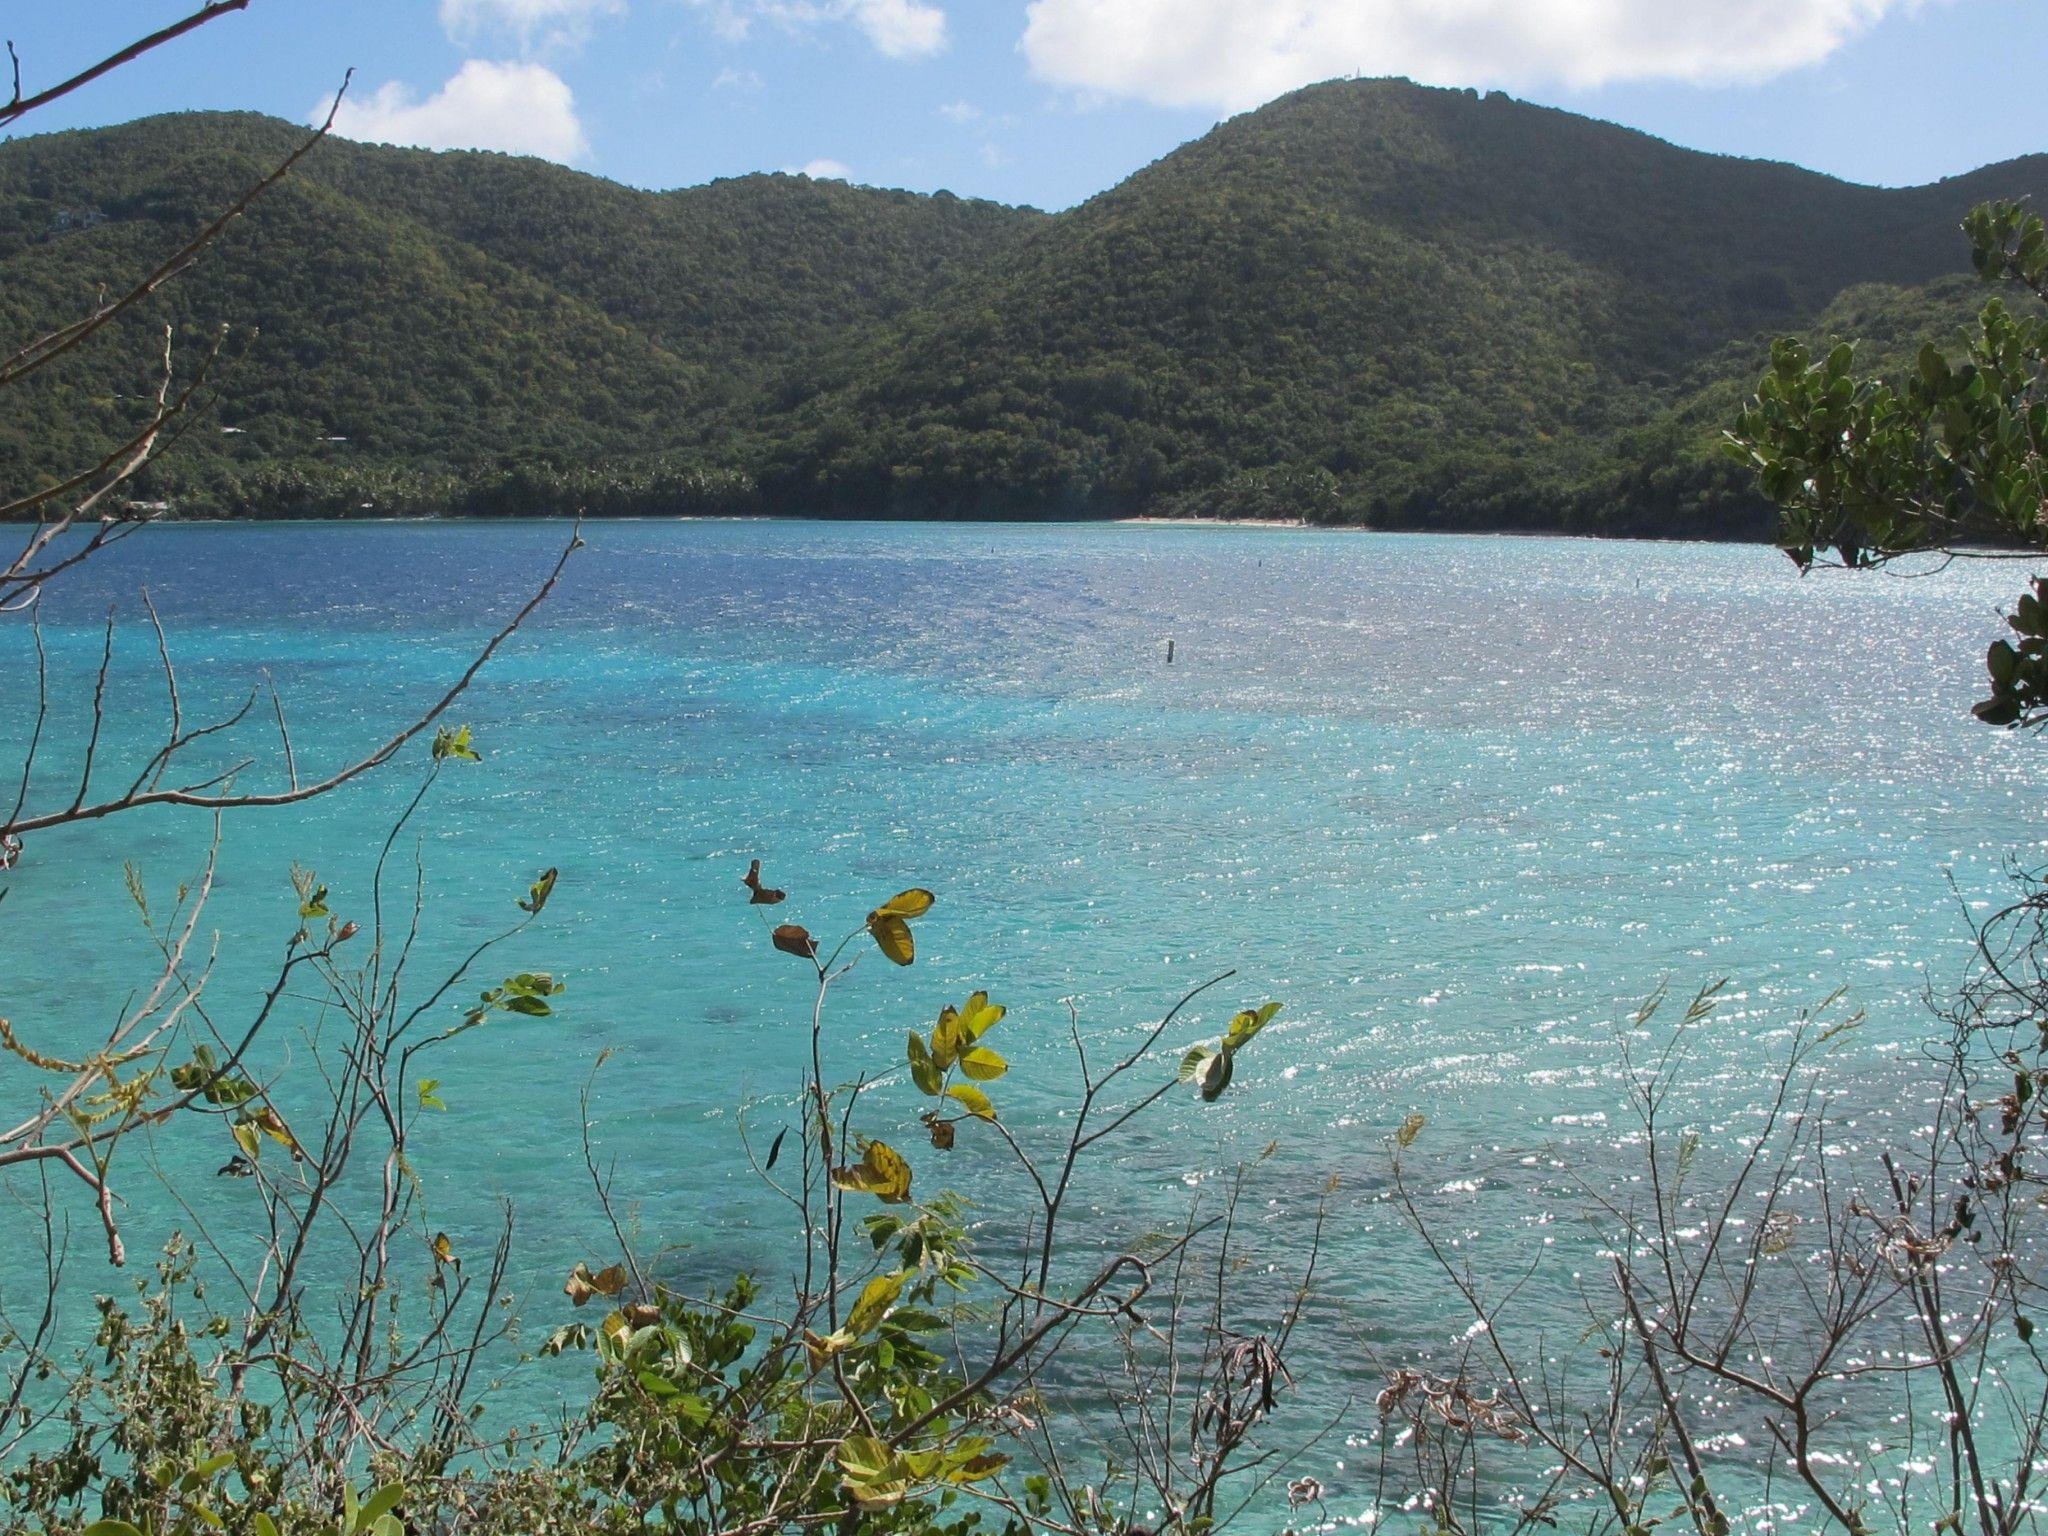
[1934, 456]
[1459, 311]
[907, 1381]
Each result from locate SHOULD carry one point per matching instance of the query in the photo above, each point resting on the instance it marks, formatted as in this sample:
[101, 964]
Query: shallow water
[1459, 802]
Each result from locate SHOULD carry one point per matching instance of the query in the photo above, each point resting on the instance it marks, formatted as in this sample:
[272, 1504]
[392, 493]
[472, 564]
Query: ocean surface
[1459, 803]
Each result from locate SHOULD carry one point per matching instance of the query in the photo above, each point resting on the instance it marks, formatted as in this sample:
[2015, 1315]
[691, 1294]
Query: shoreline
[1226, 522]
[1296, 525]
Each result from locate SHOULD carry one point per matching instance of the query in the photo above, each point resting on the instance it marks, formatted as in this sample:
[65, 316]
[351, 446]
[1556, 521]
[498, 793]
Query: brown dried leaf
[762, 895]
[795, 939]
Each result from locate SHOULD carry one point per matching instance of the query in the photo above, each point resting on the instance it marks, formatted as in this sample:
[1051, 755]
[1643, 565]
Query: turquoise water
[1459, 802]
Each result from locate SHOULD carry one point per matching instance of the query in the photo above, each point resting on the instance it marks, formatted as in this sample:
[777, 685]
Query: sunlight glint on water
[1460, 803]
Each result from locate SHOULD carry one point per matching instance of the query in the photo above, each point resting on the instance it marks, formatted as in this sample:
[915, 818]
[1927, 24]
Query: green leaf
[923, 1070]
[380, 1503]
[1247, 1024]
[1191, 1063]
[454, 743]
[876, 1297]
[863, 1458]
[537, 896]
[429, 1099]
[1933, 366]
[203, 1072]
[110, 1528]
[205, 1471]
[691, 1407]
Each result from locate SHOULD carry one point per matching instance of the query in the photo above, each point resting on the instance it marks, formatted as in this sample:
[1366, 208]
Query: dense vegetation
[1366, 302]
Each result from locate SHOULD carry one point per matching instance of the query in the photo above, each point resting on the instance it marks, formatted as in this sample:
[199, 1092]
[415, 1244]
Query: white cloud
[554, 23]
[902, 29]
[525, 109]
[825, 170]
[1233, 54]
[745, 81]
[960, 112]
[730, 19]
[898, 29]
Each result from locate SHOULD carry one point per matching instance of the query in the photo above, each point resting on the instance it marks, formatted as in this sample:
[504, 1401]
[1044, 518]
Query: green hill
[444, 315]
[1367, 301]
[1458, 309]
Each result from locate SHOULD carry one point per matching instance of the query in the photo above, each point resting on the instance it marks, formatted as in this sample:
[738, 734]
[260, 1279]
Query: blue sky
[1050, 101]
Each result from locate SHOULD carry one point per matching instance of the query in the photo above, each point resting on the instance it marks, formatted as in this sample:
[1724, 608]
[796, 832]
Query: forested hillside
[1367, 301]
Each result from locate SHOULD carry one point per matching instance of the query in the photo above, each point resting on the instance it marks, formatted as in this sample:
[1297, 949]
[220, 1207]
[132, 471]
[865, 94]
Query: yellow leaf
[873, 1475]
[914, 902]
[980, 1016]
[879, 1495]
[864, 1457]
[1410, 1129]
[973, 1100]
[247, 1139]
[1247, 1024]
[582, 1284]
[537, 897]
[444, 1251]
[271, 1124]
[983, 1064]
[892, 936]
[822, 1347]
[946, 1039]
[881, 1172]
[876, 1297]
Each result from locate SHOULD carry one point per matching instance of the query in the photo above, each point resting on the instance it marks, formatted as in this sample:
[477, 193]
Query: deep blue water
[1459, 802]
